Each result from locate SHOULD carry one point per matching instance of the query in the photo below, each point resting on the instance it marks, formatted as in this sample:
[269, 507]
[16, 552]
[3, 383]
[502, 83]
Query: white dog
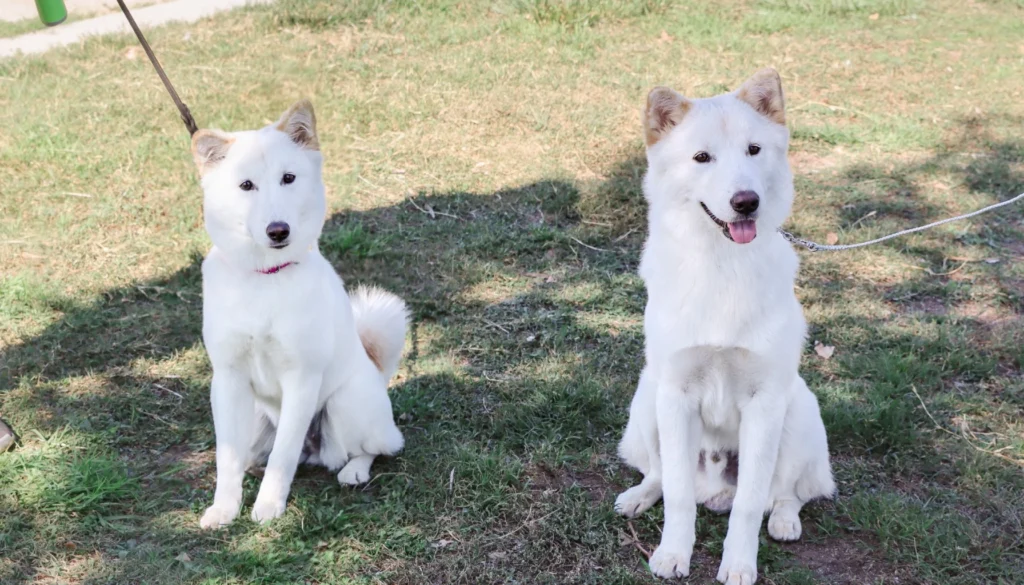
[724, 332]
[300, 371]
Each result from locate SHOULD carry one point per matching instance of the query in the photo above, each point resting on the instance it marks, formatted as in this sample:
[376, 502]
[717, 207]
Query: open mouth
[742, 232]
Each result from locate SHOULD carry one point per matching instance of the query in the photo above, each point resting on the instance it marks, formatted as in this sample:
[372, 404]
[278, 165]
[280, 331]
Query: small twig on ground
[587, 245]
[624, 236]
[433, 213]
[636, 541]
[932, 273]
[166, 389]
[866, 216]
[158, 418]
[495, 325]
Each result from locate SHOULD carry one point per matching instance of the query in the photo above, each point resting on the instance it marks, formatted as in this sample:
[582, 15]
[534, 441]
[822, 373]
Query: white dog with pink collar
[300, 369]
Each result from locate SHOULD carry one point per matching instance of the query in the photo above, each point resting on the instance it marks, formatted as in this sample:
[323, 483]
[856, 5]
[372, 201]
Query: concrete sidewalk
[146, 17]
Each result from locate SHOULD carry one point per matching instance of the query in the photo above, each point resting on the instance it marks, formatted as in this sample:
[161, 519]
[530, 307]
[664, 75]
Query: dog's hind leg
[803, 472]
[356, 471]
[358, 425]
[639, 449]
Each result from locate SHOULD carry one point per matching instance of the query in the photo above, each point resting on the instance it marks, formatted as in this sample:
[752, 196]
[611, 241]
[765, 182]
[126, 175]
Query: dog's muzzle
[742, 231]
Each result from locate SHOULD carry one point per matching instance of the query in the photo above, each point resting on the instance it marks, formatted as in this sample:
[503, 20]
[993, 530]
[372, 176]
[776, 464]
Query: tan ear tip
[303, 105]
[660, 90]
[771, 73]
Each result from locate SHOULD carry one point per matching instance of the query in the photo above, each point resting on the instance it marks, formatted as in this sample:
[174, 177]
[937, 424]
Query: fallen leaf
[665, 37]
[832, 239]
[496, 555]
[132, 53]
[183, 557]
[824, 351]
[991, 260]
[442, 543]
[873, 16]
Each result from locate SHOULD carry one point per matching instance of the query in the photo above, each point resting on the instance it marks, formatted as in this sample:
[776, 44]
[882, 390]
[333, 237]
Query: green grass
[19, 27]
[483, 160]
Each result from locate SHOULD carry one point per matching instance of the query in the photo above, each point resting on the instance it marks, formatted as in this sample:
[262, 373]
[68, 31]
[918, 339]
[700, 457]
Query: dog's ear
[763, 92]
[209, 147]
[299, 123]
[665, 109]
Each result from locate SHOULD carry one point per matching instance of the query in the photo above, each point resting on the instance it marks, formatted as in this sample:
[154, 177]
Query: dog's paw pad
[784, 527]
[669, 564]
[351, 475]
[264, 512]
[635, 501]
[217, 516]
[737, 574]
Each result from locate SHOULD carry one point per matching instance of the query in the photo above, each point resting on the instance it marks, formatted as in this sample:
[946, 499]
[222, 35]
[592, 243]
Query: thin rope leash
[186, 115]
[816, 247]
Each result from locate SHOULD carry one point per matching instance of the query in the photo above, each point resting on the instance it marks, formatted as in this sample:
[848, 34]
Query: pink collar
[275, 269]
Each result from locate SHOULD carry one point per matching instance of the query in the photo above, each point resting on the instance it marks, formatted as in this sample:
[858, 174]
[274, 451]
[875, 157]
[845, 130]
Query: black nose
[278, 231]
[745, 202]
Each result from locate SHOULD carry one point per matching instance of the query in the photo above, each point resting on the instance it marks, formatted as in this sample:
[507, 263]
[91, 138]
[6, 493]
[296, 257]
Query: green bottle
[51, 12]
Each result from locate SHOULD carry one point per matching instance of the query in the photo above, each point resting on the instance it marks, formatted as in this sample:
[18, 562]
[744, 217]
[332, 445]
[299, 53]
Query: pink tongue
[743, 232]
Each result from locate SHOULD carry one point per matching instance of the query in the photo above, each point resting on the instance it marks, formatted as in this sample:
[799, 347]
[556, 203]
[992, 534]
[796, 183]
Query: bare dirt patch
[841, 561]
[543, 480]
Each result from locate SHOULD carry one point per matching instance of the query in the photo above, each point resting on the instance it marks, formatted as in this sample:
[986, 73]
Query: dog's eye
[702, 157]
[247, 186]
[287, 179]
[753, 149]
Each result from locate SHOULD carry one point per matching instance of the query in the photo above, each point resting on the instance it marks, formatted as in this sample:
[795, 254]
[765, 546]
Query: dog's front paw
[264, 511]
[784, 527]
[636, 500]
[218, 515]
[670, 564]
[736, 573]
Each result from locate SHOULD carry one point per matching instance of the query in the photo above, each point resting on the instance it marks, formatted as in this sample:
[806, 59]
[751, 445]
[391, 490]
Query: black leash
[186, 116]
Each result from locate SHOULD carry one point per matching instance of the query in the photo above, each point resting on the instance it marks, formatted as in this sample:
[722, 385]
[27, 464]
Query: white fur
[286, 346]
[724, 334]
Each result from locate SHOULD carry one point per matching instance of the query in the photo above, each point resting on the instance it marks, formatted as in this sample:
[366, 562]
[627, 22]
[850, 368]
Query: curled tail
[381, 320]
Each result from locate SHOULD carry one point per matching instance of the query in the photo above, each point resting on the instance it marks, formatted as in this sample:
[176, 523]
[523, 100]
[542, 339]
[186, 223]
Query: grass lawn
[483, 161]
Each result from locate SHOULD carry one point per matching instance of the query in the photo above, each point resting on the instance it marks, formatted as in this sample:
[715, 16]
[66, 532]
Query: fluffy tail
[381, 320]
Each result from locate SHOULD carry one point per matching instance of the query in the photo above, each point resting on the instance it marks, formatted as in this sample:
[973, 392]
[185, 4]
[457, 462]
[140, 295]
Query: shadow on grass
[527, 342]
